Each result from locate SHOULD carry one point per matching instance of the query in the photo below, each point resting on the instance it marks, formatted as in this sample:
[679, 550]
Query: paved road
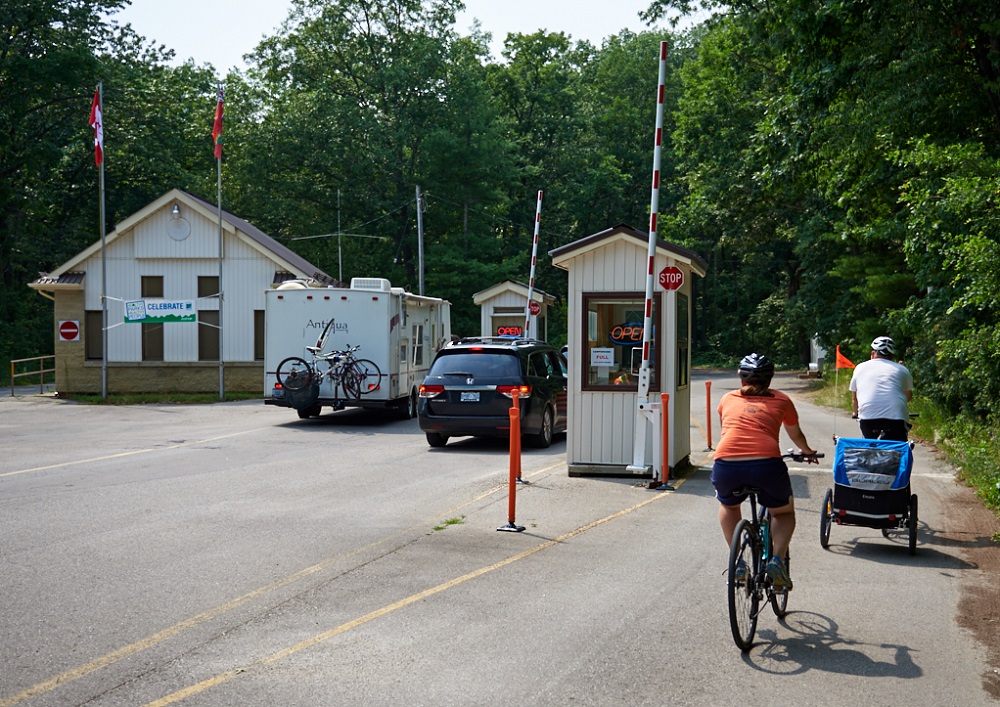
[232, 554]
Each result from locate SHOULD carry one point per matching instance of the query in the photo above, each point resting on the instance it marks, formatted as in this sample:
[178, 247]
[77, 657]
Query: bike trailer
[871, 482]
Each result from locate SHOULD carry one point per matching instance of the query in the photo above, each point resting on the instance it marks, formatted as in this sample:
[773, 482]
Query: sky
[220, 32]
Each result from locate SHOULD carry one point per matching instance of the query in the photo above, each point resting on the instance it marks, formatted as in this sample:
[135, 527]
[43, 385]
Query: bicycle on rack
[751, 548]
[351, 375]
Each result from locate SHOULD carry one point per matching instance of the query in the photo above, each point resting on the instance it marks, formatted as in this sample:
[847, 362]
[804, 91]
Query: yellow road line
[161, 636]
[120, 455]
[402, 603]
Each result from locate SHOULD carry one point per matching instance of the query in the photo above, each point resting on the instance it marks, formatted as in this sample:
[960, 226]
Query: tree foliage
[834, 162]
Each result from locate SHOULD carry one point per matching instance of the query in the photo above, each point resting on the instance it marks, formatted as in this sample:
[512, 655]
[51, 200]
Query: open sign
[508, 331]
[626, 333]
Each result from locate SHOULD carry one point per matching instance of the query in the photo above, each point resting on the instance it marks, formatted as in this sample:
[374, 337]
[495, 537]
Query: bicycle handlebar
[800, 457]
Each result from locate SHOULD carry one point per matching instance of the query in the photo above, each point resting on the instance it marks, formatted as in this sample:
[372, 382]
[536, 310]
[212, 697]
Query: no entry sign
[69, 330]
[671, 277]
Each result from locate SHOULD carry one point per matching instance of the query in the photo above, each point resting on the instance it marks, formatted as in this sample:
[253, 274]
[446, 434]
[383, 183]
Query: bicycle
[354, 376]
[751, 548]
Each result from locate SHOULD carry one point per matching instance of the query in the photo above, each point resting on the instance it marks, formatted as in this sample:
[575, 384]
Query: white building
[168, 253]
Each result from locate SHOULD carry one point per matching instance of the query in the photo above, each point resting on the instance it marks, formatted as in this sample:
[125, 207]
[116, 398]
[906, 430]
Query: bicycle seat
[313, 349]
[745, 491]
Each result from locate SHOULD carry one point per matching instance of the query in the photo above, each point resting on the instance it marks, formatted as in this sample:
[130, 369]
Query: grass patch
[450, 521]
[161, 398]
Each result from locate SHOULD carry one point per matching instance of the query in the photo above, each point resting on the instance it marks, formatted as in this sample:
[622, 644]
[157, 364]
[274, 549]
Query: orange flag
[842, 360]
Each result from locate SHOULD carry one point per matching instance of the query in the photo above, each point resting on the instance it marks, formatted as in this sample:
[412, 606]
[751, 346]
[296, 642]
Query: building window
[208, 335]
[208, 286]
[93, 335]
[612, 335]
[258, 335]
[418, 344]
[152, 334]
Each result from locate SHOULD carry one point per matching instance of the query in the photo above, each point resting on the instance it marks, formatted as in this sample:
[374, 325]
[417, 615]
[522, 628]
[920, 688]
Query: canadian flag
[97, 123]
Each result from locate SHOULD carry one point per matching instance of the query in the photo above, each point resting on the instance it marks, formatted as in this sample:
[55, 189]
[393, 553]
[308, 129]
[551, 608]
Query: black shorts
[768, 475]
[897, 430]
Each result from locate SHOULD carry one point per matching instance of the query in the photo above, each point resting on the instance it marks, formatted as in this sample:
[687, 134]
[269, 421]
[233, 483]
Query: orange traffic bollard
[515, 467]
[665, 431]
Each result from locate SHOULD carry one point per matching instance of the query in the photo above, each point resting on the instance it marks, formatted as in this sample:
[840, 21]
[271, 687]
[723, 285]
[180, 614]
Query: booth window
[683, 335]
[612, 335]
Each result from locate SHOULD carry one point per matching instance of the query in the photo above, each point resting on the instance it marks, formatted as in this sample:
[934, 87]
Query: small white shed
[606, 302]
[502, 311]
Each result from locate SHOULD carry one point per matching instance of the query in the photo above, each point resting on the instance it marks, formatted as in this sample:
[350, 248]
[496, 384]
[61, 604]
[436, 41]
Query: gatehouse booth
[502, 311]
[606, 308]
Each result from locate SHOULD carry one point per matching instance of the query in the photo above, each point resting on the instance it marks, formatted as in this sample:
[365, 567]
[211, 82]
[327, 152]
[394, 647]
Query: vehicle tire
[743, 596]
[543, 440]
[826, 519]
[911, 523]
[306, 413]
[369, 377]
[436, 439]
[294, 374]
[408, 408]
[779, 600]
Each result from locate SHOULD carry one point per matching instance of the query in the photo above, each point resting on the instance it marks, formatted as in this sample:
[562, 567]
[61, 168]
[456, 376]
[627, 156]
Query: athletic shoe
[741, 572]
[778, 574]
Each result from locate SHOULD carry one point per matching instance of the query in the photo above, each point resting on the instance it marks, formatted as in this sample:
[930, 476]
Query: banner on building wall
[160, 311]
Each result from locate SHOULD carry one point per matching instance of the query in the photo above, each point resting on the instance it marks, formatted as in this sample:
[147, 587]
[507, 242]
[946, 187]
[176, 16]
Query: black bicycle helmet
[756, 369]
[884, 345]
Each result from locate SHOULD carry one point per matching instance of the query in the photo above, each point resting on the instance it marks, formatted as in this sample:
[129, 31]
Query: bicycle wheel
[294, 374]
[911, 524]
[826, 519]
[349, 381]
[743, 597]
[368, 375]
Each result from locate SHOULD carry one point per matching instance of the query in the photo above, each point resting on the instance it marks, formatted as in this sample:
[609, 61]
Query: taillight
[278, 386]
[523, 391]
[431, 391]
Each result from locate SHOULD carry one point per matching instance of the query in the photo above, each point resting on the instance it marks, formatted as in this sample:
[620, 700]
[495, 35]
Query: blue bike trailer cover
[872, 464]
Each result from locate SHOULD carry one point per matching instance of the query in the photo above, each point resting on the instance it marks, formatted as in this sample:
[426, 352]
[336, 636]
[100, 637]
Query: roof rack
[494, 340]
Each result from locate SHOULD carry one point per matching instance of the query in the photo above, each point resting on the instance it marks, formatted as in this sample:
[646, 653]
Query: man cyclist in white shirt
[880, 391]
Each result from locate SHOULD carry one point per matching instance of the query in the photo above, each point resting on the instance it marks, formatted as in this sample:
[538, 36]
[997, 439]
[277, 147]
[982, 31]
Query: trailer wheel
[408, 407]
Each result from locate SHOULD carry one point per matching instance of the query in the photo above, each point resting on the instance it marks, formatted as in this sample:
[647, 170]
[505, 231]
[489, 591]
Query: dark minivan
[470, 386]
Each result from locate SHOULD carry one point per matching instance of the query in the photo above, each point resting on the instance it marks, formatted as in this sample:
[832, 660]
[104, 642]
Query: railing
[42, 370]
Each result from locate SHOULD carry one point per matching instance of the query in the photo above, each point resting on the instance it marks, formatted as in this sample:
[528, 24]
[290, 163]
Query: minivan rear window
[479, 363]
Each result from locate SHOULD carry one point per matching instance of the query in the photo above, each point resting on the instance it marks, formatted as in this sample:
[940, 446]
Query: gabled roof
[515, 286]
[234, 225]
[622, 232]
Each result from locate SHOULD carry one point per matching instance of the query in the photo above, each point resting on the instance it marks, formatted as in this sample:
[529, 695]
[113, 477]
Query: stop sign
[671, 277]
[69, 330]
[534, 309]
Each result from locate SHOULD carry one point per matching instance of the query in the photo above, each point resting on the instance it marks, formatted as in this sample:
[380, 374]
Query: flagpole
[218, 162]
[104, 262]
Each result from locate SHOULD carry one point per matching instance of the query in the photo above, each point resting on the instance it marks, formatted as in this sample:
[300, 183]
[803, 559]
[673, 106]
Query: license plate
[470, 397]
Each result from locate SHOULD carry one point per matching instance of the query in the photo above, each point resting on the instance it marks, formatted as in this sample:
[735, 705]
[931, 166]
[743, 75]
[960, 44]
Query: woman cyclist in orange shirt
[748, 454]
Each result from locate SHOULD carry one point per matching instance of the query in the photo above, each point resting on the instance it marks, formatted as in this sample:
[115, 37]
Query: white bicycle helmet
[884, 345]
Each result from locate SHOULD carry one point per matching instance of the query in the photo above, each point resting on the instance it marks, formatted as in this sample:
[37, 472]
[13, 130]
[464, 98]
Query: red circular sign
[69, 330]
[534, 309]
[671, 277]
